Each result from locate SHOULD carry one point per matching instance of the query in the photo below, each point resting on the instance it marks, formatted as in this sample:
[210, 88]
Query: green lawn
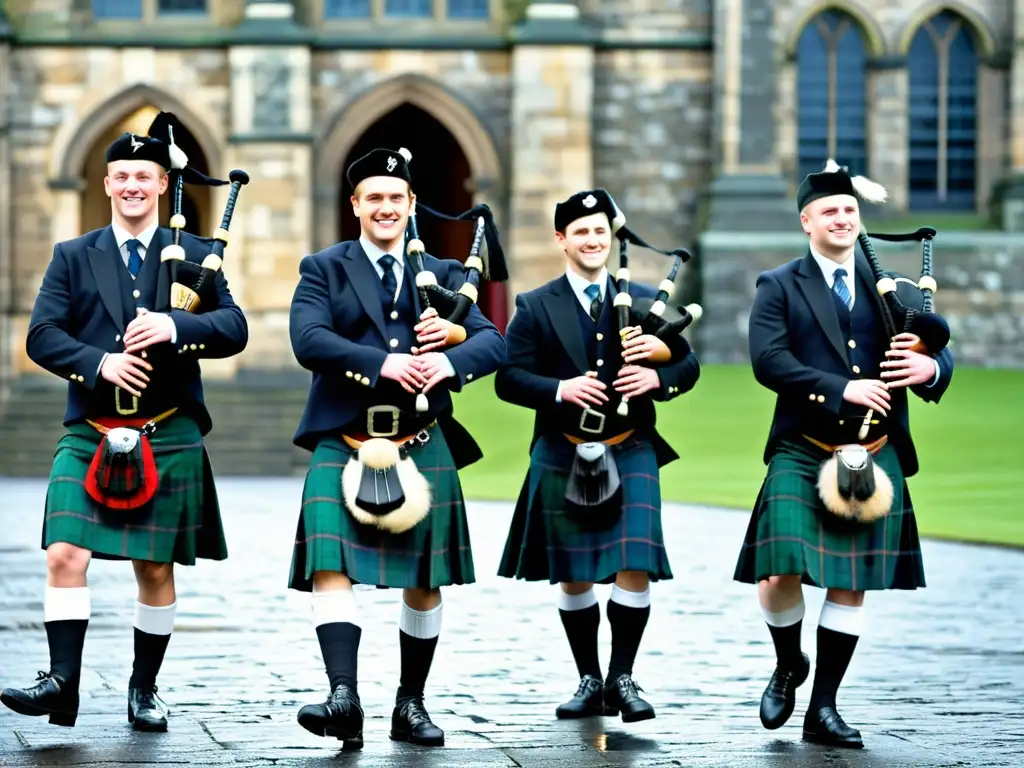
[970, 487]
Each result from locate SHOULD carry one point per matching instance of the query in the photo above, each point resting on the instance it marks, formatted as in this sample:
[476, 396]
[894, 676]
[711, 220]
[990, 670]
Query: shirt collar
[374, 252]
[579, 284]
[829, 267]
[122, 236]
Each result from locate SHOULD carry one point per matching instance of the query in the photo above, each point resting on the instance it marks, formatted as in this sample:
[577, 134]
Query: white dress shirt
[828, 269]
[579, 287]
[373, 253]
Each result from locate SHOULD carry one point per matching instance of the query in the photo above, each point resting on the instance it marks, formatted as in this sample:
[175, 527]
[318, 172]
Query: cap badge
[135, 144]
[589, 201]
[392, 163]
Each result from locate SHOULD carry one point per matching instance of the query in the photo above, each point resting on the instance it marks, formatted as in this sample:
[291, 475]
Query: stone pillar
[552, 105]
[271, 116]
[6, 245]
[1013, 199]
[888, 131]
[750, 202]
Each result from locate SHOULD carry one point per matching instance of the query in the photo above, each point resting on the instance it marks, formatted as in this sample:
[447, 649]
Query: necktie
[134, 260]
[387, 261]
[594, 292]
[840, 289]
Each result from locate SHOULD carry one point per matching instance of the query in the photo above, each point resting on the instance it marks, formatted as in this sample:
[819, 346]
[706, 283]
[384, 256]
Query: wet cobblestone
[938, 678]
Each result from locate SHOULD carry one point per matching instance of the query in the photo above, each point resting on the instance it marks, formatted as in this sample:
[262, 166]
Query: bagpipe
[906, 305]
[850, 483]
[653, 316]
[449, 305]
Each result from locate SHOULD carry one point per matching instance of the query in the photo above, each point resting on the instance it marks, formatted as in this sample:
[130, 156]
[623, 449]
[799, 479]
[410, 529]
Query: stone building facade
[699, 116]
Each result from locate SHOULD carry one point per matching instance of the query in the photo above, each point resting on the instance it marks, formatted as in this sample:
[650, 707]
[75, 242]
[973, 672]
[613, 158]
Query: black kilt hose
[792, 533]
[182, 522]
[544, 543]
[434, 553]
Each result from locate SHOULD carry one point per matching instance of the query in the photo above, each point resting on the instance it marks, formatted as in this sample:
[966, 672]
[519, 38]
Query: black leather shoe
[779, 698]
[340, 717]
[588, 700]
[51, 695]
[620, 695]
[825, 726]
[410, 722]
[146, 710]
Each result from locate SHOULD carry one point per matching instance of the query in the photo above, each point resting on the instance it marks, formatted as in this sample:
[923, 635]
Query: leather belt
[105, 425]
[873, 447]
[615, 440]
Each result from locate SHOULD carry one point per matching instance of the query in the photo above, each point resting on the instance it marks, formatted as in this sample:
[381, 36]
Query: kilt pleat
[545, 543]
[792, 533]
[182, 522]
[434, 553]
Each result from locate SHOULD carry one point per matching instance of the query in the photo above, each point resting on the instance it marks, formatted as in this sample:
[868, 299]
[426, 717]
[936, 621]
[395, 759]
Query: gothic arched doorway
[441, 180]
[95, 205]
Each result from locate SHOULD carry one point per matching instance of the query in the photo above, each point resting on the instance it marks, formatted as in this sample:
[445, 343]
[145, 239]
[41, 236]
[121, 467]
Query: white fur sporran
[852, 485]
[384, 488]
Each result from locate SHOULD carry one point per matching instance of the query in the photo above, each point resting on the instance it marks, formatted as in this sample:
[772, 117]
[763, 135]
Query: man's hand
[403, 369]
[870, 393]
[147, 329]
[433, 332]
[434, 367]
[909, 341]
[584, 391]
[126, 371]
[906, 368]
[638, 346]
[635, 380]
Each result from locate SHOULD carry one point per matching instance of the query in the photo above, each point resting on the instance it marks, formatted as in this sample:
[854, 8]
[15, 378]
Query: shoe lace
[585, 687]
[627, 685]
[782, 680]
[415, 711]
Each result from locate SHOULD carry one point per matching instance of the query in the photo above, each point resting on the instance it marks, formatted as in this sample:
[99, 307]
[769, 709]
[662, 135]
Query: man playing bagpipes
[131, 479]
[590, 355]
[834, 510]
[382, 502]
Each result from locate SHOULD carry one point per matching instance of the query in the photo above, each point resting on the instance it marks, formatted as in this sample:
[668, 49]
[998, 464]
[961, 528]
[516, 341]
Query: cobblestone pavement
[938, 679]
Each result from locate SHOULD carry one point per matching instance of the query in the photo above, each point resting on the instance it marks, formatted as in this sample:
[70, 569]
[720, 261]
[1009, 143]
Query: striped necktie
[840, 289]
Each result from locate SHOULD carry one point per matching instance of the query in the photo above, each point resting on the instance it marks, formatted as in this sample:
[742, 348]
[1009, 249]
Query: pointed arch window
[831, 94]
[943, 74]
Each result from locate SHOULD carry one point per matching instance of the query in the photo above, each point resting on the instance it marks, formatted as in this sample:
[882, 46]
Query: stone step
[252, 435]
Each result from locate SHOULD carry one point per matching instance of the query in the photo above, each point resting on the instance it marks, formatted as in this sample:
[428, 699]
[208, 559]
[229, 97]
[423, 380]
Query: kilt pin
[382, 502]
[816, 325]
[561, 331]
[131, 478]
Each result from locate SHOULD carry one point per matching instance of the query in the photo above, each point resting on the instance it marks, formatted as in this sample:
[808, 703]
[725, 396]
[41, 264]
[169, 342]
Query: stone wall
[980, 278]
[652, 145]
[626, 19]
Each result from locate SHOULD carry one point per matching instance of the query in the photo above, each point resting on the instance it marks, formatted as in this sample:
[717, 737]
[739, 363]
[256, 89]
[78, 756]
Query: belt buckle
[600, 421]
[372, 412]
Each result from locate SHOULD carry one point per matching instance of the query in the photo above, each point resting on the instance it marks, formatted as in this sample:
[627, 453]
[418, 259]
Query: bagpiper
[830, 336]
[131, 478]
[591, 355]
[382, 502]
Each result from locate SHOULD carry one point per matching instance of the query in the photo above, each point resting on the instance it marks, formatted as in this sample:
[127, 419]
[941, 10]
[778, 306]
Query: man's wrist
[558, 392]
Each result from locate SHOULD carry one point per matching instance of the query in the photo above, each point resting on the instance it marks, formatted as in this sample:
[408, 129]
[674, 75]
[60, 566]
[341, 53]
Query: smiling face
[134, 188]
[832, 223]
[586, 242]
[383, 204]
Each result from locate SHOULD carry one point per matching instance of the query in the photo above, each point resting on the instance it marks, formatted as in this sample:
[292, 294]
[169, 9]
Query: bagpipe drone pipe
[194, 286]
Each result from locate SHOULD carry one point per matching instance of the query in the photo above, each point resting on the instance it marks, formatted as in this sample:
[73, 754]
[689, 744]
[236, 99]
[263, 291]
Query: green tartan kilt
[792, 533]
[180, 524]
[434, 553]
[544, 543]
